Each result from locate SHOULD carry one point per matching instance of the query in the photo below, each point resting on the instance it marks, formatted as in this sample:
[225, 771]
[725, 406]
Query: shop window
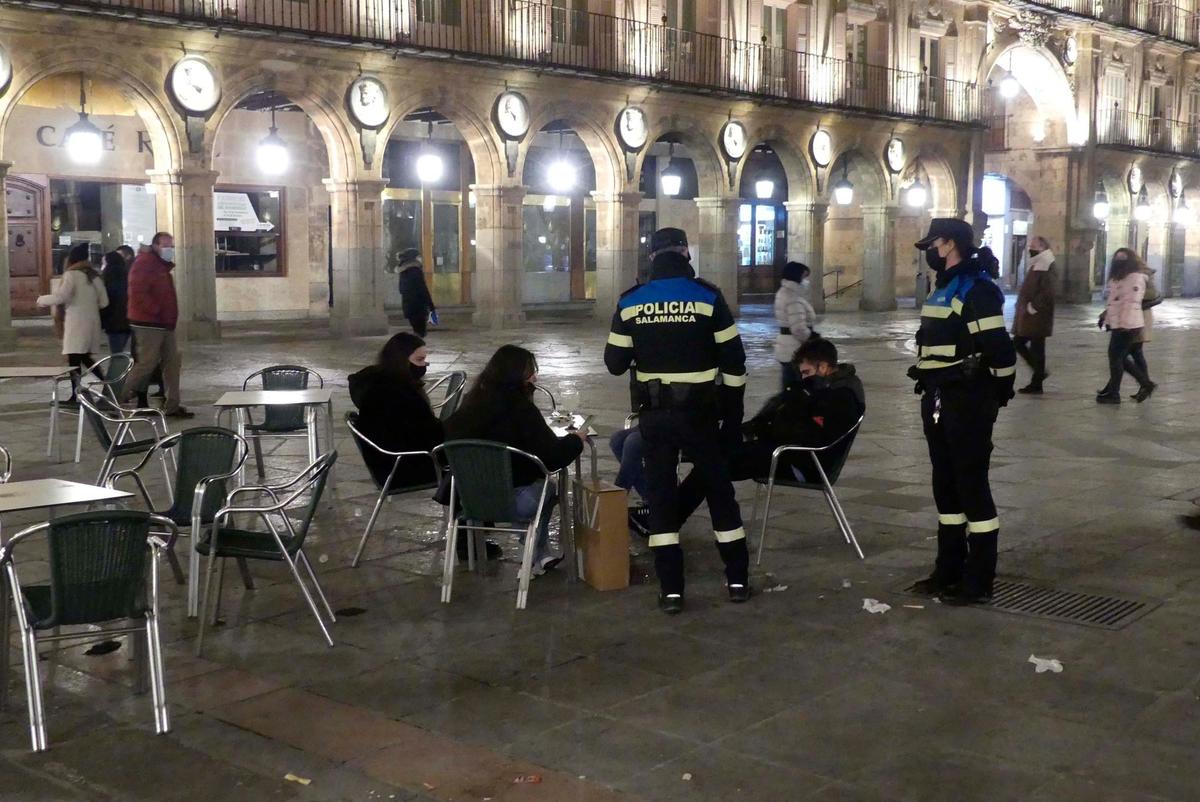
[547, 239]
[104, 214]
[446, 242]
[756, 234]
[402, 228]
[249, 228]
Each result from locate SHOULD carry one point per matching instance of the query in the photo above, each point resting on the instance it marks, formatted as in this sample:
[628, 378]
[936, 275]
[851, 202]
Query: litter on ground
[875, 606]
[1044, 664]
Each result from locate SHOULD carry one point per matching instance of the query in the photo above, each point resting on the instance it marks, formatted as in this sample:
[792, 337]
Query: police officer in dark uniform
[689, 376]
[965, 372]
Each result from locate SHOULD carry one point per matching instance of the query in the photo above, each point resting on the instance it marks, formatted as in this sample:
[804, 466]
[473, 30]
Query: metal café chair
[454, 382]
[388, 487]
[115, 368]
[825, 486]
[280, 421]
[101, 413]
[279, 539]
[7, 472]
[538, 388]
[103, 568]
[206, 457]
[481, 489]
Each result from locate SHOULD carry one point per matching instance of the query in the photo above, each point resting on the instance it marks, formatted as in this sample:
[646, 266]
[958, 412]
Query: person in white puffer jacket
[795, 316]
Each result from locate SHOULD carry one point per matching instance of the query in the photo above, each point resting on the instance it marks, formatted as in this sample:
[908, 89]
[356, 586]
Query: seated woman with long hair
[394, 412]
[500, 407]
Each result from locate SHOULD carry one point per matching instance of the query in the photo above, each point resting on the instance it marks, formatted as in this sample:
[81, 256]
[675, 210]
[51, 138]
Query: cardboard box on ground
[602, 534]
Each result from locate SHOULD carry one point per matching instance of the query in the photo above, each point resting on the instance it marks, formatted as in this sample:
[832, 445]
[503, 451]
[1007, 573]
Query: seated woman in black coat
[394, 412]
[499, 407]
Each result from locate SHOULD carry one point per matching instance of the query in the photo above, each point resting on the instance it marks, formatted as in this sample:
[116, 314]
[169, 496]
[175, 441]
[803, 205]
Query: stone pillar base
[8, 339]
[196, 331]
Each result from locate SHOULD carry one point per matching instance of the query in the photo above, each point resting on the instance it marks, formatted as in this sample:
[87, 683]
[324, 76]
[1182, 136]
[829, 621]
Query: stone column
[616, 248]
[356, 208]
[499, 256]
[8, 335]
[185, 210]
[806, 243]
[718, 246]
[879, 267]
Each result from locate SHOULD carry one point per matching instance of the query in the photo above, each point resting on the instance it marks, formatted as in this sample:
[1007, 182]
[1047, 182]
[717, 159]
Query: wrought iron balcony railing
[1146, 132]
[1156, 17]
[536, 33]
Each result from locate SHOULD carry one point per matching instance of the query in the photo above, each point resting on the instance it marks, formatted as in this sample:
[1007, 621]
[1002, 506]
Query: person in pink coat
[1124, 319]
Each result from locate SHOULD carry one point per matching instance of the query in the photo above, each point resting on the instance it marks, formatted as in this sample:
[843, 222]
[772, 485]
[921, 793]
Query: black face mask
[1034, 252]
[935, 261]
[417, 371]
[814, 383]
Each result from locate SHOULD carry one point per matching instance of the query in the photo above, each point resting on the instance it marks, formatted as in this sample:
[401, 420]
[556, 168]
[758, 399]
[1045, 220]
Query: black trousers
[751, 460]
[420, 324]
[1033, 351]
[666, 433]
[78, 362]
[1121, 344]
[958, 422]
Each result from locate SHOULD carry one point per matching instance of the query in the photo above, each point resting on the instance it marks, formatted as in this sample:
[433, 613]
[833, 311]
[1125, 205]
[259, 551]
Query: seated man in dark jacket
[499, 407]
[815, 411]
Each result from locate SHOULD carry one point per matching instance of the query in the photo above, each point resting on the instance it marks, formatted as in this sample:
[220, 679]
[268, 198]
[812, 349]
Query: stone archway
[1041, 76]
[137, 87]
[859, 235]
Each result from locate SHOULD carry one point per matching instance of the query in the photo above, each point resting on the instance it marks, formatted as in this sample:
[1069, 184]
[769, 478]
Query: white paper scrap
[875, 606]
[1044, 664]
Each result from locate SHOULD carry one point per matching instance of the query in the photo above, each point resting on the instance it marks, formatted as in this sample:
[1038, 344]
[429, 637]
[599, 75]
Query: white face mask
[167, 254]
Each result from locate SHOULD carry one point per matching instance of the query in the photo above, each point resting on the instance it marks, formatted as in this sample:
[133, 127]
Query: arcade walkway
[800, 695]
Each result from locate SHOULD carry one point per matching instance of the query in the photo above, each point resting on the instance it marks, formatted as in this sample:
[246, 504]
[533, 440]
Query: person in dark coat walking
[394, 412]
[114, 318]
[1034, 320]
[416, 302]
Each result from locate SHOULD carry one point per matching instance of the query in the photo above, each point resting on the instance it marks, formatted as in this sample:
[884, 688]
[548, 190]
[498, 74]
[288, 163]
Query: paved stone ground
[799, 695]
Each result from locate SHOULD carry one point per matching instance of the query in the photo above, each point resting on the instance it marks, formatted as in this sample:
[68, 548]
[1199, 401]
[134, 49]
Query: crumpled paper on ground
[875, 606]
[1044, 664]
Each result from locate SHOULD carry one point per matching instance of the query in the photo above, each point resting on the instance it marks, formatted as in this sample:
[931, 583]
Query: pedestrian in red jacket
[153, 313]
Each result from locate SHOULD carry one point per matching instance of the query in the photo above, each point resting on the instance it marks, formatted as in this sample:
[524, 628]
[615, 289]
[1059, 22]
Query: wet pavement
[799, 695]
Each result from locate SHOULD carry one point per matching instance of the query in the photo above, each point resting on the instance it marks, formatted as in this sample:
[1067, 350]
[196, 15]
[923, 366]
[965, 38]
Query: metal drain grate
[1066, 606]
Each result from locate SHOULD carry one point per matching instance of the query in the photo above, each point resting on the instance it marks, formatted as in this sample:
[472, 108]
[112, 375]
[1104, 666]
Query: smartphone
[586, 422]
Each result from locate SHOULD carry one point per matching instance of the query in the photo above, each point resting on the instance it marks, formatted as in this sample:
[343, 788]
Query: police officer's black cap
[408, 255]
[668, 238]
[950, 229]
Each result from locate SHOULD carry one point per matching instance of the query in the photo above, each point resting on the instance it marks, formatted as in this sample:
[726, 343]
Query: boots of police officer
[979, 575]
[951, 559]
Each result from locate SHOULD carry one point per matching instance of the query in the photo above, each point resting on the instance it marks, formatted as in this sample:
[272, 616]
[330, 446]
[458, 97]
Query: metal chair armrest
[137, 480]
[818, 449]
[631, 420]
[6, 550]
[169, 526]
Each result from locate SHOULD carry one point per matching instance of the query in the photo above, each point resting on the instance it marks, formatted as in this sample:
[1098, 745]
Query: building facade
[529, 148]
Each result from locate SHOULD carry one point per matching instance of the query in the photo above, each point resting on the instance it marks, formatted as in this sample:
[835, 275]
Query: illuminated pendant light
[84, 141]
[1100, 207]
[843, 190]
[764, 188]
[548, 204]
[1010, 87]
[1141, 212]
[561, 175]
[273, 157]
[671, 178]
[1182, 216]
[429, 164]
[917, 195]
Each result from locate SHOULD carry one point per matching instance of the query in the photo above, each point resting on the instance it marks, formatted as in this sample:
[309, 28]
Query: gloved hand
[915, 374]
[433, 316]
[1004, 391]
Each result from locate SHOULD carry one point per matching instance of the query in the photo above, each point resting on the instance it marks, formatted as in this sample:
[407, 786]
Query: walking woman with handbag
[1124, 319]
[81, 295]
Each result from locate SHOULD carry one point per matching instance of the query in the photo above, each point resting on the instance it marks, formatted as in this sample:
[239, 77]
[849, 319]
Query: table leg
[329, 444]
[5, 635]
[53, 419]
[241, 430]
[310, 414]
[567, 516]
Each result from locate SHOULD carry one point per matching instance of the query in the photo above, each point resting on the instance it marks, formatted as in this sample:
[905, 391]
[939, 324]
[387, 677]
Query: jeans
[626, 445]
[155, 348]
[526, 501]
[118, 342]
[1033, 351]
[1120, 344]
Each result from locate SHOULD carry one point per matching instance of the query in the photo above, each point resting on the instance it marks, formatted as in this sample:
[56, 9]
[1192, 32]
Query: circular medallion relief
[368, 102]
